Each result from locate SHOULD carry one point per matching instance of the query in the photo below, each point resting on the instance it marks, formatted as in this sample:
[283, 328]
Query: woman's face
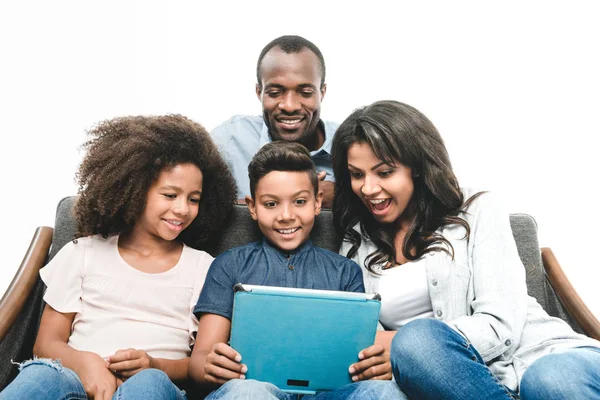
[384, 189]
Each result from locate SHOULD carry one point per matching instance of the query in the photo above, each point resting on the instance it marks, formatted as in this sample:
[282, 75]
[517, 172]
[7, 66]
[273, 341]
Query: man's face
[291, 96]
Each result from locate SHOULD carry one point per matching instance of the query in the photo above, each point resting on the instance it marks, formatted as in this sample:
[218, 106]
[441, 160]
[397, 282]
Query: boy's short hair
[281, 156]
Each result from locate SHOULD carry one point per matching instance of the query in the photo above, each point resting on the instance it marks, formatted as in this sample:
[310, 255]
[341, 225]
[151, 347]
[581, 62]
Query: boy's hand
[98, 382]
[223, 364]
[126, 363]
[375, 364]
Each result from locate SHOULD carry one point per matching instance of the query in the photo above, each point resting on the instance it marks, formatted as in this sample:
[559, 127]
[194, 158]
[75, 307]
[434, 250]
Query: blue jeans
[430, 360]
[47, 379]
[250, 389]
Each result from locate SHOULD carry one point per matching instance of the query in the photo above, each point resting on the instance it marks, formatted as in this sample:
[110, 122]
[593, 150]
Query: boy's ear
[318, 202]
[251, 207]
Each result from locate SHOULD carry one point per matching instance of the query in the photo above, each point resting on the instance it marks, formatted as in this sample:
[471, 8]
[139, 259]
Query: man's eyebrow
[307, 85]
[274, 86]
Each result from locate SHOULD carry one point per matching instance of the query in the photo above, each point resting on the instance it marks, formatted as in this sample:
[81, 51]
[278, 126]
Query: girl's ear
[251, 207]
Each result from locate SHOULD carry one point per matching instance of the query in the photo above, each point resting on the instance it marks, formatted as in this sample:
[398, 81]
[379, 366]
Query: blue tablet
[302, 340]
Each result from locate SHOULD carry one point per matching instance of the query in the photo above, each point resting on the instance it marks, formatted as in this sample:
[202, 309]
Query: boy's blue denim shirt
[260, 263]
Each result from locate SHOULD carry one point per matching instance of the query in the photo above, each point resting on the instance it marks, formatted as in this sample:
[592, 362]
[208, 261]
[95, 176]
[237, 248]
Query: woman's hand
[223, 364]
[126, 363]
[375, 364]
[98, 382]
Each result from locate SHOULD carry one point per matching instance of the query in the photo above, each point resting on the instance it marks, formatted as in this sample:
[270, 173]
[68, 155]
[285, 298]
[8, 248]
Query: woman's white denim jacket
[482, 293]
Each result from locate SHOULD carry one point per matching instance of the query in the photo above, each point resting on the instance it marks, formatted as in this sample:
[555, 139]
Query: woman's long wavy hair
[125, 156]
[397, 132]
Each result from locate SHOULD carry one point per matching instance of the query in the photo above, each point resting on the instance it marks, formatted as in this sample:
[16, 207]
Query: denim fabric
[573, 374]
[240, 137]
[47, 379]
[430, 360]
[250, 389]
[260, 263]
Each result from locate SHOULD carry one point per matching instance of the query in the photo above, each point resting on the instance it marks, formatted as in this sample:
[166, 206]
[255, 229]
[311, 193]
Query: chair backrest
[241, 230]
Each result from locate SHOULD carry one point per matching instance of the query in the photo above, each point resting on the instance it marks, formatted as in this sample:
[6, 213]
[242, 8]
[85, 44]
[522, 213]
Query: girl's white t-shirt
[119, 307]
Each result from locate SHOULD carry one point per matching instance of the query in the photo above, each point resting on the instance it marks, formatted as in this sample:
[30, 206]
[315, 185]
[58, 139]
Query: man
[290, 84]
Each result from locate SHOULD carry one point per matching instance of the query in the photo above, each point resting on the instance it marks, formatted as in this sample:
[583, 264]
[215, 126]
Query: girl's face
[172, 202]
[385, 190]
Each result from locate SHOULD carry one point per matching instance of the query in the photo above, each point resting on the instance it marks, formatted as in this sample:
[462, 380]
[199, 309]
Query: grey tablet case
[302, 340]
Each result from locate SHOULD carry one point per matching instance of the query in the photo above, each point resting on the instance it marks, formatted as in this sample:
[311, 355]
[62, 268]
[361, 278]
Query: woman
[446, 265]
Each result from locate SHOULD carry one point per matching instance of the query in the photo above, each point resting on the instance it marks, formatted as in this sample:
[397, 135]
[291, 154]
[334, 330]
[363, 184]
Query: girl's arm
[51, 342]
[128, 362]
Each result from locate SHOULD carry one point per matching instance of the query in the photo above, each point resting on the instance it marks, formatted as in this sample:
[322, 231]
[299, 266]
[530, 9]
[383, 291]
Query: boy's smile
[285, 208]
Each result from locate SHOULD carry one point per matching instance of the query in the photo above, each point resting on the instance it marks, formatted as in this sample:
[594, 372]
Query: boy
[284, 201]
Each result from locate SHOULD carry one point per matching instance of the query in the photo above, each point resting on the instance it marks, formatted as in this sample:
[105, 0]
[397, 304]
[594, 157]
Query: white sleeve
[63, 277]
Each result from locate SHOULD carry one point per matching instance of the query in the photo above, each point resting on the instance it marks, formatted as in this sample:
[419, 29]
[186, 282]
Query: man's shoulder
[239, 123]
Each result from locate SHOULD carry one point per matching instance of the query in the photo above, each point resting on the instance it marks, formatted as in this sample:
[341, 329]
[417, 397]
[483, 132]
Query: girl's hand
[98, 382]
[126, 363]
[375, 364]
[223, 364]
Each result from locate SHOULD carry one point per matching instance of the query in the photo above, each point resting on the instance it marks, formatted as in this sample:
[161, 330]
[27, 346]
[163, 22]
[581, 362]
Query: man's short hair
[291, 44]
[281, 156]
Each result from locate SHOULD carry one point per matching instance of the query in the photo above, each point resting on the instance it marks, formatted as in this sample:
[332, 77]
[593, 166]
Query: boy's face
[285, 207]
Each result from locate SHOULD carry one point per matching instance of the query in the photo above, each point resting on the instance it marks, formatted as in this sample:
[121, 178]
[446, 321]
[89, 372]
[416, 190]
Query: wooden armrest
[568, 295]
[25, 278]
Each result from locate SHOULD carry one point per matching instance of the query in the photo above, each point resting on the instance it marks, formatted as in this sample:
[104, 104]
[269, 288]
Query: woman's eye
[355, 175]
[385, 174]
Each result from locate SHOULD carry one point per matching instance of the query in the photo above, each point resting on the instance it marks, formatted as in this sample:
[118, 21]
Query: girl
[118, 321]
[446, 265]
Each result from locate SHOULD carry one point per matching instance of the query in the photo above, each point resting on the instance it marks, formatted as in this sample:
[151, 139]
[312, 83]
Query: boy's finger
[225, 350]
[226, 363]
[219, 373]
[122, 355]
[123, 365]
[374, 350]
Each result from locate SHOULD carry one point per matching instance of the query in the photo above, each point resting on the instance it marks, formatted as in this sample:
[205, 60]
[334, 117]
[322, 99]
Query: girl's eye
[300, 201]
[169, 195]
[195, 200]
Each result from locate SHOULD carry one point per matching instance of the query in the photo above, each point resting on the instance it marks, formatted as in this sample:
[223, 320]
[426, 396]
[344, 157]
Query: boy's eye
[270, 204]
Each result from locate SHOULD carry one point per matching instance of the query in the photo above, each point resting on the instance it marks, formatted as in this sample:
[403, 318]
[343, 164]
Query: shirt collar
[325, 148]
[304, 247]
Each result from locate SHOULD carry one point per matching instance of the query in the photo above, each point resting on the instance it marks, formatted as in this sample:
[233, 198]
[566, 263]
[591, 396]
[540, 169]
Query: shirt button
[291, 267]
[439, 313]
[508, 342]
[434, 282]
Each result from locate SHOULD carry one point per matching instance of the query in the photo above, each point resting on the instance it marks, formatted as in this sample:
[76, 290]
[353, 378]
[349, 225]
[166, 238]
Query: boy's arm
[213, 361]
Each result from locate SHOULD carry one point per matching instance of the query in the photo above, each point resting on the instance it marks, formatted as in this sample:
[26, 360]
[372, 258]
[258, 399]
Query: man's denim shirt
[240, 137]
[259, 263]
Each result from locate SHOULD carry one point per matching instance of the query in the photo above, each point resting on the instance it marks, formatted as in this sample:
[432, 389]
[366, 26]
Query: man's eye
[307, 93]
[274, 93]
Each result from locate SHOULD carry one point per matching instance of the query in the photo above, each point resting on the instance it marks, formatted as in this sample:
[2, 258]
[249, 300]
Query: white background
[513, 88]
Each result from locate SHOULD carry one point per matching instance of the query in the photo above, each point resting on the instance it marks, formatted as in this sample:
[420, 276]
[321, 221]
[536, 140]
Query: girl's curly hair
[125, 157]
